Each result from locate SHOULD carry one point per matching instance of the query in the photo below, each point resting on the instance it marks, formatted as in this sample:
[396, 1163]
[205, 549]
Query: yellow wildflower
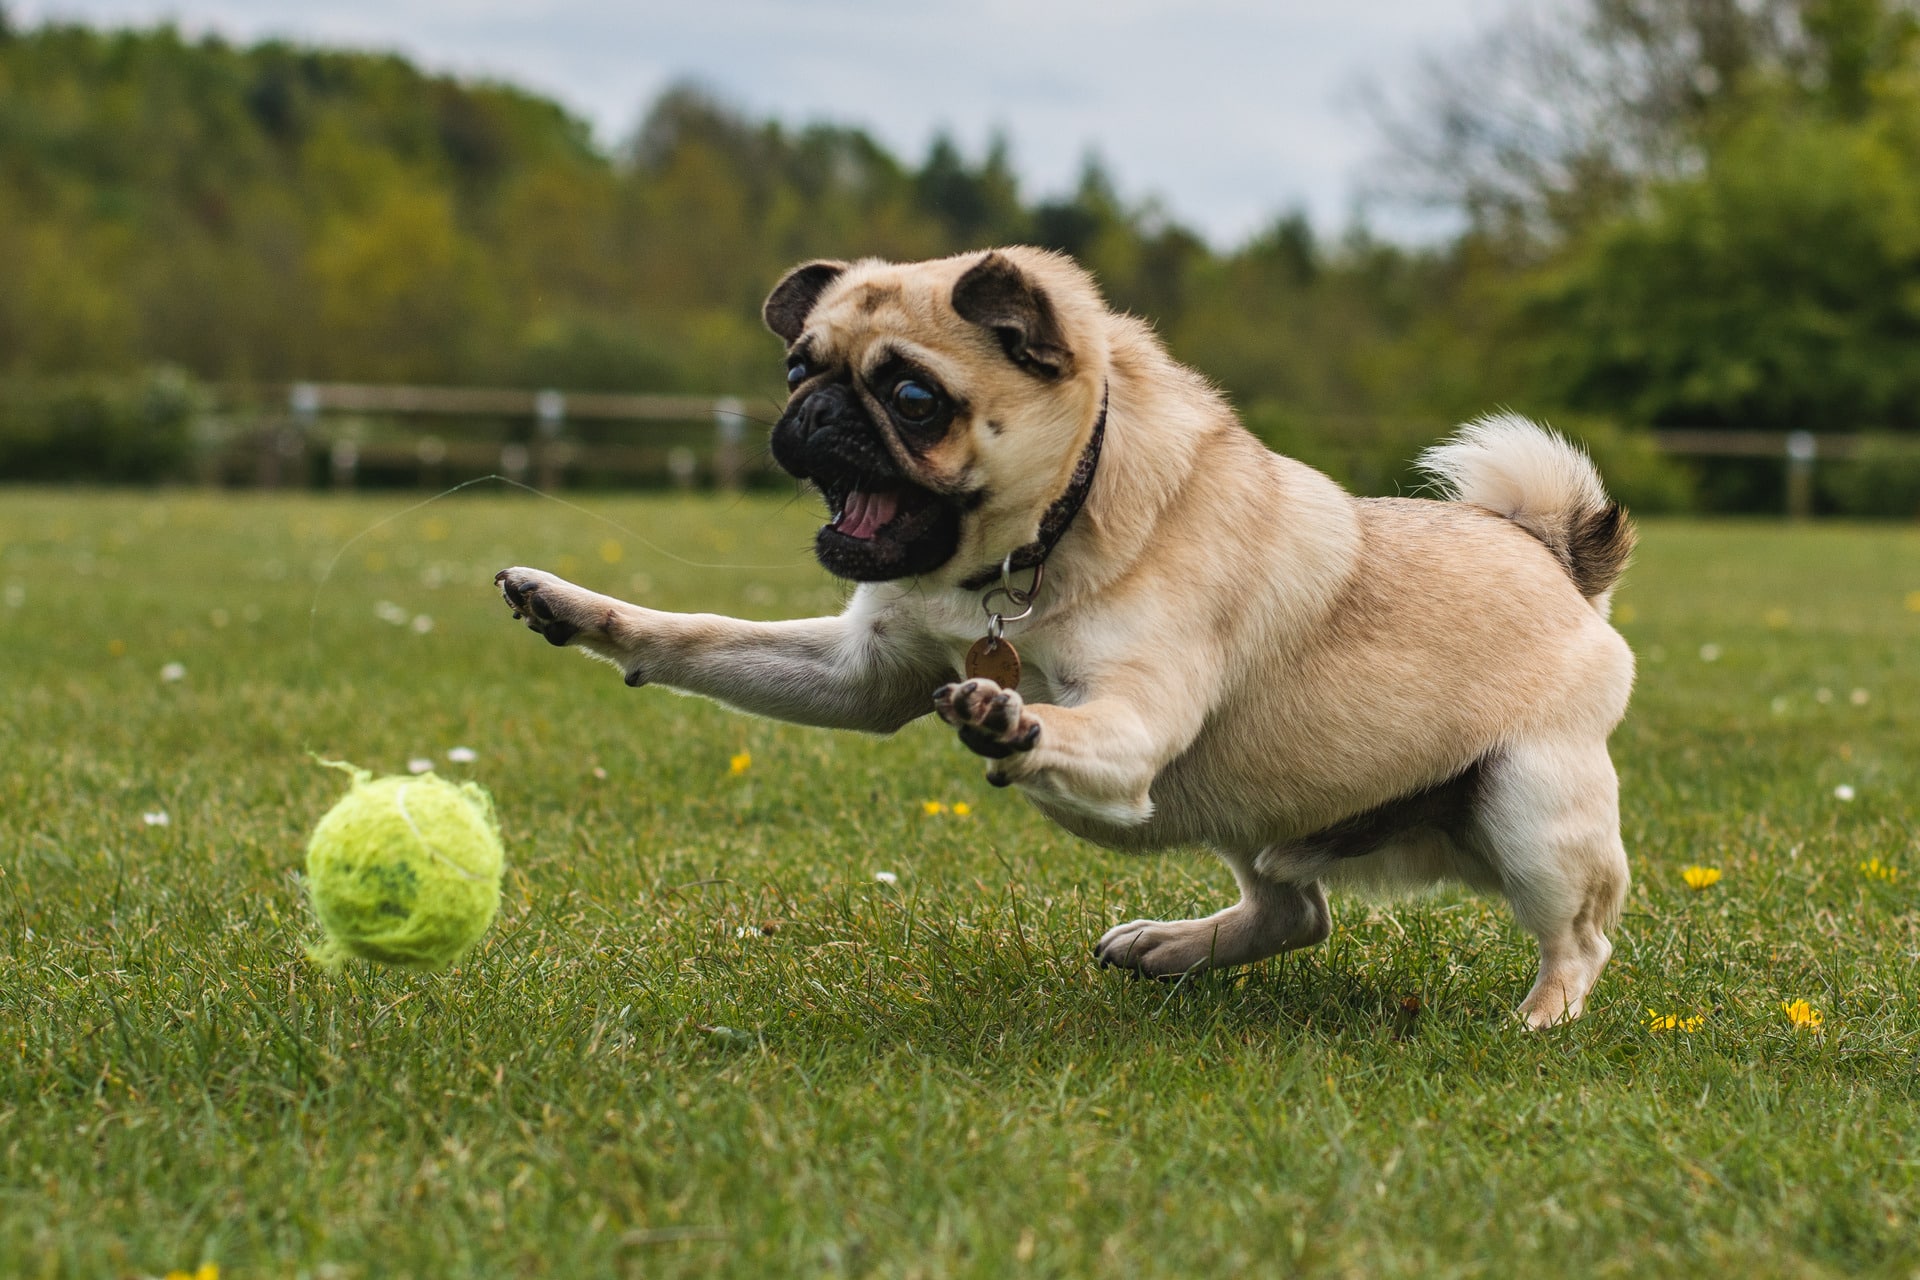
[1874, 869]
[1658, 1021]
[740, 763]
[612, 552]
[206, 1271]
[932, 808]
[1699, 878]
[961, 809]
[1913, 602]
[1803, 1015]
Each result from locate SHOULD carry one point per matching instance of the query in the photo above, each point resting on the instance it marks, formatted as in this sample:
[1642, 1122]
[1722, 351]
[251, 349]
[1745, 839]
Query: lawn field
[751, 1009]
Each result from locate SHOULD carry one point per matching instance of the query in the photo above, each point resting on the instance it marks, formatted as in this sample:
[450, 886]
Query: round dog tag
[994, 660]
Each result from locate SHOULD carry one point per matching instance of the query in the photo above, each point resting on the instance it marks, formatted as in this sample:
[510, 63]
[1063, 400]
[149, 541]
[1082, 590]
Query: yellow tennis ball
[404, 870]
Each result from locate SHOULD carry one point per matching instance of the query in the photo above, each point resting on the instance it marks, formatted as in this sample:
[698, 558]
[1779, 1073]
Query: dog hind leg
[1272, 916]
[1548, 822]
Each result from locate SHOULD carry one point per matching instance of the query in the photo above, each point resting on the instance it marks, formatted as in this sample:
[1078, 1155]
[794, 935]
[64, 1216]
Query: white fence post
[1802, 448]
[729, 428]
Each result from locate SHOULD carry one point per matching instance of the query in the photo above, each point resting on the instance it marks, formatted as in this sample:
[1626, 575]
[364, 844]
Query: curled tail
[1535, 478]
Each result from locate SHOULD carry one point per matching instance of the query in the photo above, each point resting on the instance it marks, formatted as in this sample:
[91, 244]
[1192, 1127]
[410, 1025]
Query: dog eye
[796, 374]
[913, 401]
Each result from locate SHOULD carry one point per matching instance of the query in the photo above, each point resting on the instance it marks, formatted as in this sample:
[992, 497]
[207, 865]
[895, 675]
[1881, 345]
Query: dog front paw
[552, 607]
[993, 722]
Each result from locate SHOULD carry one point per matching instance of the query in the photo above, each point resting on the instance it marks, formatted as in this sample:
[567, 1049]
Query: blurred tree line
[1671, 212]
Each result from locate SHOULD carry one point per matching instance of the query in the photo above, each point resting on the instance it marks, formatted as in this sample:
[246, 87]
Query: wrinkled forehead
[879, 311]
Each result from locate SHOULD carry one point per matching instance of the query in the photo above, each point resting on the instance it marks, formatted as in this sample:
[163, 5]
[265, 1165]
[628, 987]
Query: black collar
[1054, 524]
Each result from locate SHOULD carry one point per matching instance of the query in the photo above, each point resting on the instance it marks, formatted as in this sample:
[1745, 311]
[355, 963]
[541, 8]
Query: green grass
[703, 1039]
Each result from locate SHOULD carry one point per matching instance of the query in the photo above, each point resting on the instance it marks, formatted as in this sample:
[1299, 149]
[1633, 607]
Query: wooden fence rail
[283, 448]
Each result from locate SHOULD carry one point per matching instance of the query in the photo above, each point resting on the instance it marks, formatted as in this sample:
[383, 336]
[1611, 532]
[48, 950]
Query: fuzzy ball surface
[405, 871]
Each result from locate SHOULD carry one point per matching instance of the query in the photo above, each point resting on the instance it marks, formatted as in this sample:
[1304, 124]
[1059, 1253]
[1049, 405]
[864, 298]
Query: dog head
[939, 407]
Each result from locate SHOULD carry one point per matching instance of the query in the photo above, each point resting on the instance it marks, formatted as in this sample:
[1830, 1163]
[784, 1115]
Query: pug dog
[1069, 549]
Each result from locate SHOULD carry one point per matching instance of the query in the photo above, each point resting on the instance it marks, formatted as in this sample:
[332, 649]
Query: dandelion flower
[886, 877]
[1658, 1021]
[1843, 792]
[1874, 869]
[961, 809]
[463, 755]
[739, 764]
[1699, 878]
[173, 672]
[205, 1271]
[932, 808]
[612, 552]
[117, 648]
[1913, 602]
[1803, 1015]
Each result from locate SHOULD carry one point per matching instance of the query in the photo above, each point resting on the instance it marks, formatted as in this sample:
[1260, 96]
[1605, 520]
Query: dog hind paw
[1160, 948]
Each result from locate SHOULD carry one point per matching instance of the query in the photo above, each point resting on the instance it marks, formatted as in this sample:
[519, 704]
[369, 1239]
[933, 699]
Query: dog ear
[996, 294]
[791, 302]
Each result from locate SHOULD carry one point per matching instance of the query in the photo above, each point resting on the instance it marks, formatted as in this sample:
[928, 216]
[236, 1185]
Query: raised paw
[992, 721]
[546, 603]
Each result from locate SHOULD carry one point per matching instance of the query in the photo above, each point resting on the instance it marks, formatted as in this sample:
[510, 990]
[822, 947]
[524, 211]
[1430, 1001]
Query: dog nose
[818, 409]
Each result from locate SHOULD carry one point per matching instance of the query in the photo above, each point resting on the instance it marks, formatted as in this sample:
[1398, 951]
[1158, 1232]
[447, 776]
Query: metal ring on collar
[1014, 593]
[1024, 599]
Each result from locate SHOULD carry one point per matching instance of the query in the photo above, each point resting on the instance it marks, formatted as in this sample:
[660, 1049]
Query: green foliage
[125, 430]
[277, 212]
[1780, 289]
[1882, 479]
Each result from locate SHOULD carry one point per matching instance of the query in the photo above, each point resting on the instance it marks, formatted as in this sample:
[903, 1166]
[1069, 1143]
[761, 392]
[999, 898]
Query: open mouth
[883, 528]
[862, 515]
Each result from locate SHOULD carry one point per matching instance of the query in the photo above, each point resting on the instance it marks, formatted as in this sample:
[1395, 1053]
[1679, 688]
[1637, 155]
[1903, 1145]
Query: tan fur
[1229, 651]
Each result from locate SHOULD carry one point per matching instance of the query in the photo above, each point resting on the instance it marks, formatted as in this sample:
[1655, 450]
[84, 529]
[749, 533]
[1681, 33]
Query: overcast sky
[1231, 111]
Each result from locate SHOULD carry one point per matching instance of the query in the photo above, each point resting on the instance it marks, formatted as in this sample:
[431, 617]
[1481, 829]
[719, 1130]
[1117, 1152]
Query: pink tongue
[865, 514]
